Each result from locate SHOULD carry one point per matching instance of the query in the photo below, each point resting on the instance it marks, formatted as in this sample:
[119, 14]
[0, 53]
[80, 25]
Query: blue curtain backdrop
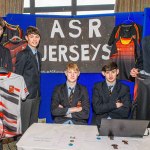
[50, 80]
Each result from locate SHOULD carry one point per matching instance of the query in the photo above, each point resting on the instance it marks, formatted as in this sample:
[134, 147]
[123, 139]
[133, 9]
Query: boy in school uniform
[28, 64]
[70, 101]
[111, 98]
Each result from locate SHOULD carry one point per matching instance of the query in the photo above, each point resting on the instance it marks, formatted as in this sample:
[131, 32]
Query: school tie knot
[110, 89]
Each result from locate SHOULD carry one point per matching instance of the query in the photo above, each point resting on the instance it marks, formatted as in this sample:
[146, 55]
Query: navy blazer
[104, 104]
[26, 65]
[60, 96]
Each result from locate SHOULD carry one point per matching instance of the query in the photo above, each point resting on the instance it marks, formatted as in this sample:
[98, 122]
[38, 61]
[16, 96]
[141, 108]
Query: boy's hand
[134, 72]
[60, 106]
[79, 104]
[119, 104]
[75, 109]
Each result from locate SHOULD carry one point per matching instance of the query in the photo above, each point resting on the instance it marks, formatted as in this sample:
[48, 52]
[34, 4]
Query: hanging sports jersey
[132, 30]
[125, 48]
[125, 52]
[11, 31]
[146, 53]
[12, 90]
[14, 48]
[5, 58]
[125, 41]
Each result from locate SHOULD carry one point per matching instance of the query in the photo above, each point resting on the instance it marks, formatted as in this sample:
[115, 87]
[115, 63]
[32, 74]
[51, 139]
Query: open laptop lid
[122, 127]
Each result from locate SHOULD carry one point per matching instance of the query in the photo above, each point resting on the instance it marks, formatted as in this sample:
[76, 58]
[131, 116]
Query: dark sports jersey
[5, 58]
[125, 48]
[125, 53]
[146, 53]
[11, 31]
[14, 48]
[12, 91]
[132, 30]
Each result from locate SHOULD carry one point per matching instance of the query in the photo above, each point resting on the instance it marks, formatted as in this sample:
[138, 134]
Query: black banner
[79, 40]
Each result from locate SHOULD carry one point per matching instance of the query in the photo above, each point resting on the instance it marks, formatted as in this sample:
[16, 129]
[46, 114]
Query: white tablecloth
[75, 137]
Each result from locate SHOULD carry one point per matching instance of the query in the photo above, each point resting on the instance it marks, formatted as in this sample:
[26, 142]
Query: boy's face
[72, 75]
[111, 75]
[1, 30]
[33, 40]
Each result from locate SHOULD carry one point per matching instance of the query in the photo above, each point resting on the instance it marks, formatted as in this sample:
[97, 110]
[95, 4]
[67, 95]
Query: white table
[60, 137]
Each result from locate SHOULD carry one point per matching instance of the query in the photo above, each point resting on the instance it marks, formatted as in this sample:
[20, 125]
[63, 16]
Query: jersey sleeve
[24, 90]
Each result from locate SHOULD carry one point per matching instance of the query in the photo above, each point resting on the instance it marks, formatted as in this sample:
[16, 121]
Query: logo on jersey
[11, 89]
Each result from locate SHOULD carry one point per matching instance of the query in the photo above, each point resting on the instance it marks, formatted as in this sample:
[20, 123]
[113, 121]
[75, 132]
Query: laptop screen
[122, 127]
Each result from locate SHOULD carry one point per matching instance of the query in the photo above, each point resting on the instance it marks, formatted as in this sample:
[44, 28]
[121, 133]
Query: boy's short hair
[32, 30]
[110, 66]
[73, 66]
[2, 22]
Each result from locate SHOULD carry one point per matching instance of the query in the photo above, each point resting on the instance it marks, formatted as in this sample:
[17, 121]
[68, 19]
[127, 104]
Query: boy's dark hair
[2, 22]
[32, 30]
[110, 66]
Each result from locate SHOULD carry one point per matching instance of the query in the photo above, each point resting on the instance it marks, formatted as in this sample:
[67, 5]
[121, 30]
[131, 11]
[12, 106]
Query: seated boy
[70, 102]
[111, 99]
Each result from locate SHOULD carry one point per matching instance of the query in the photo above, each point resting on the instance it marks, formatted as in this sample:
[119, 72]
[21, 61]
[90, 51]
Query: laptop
[122, 127]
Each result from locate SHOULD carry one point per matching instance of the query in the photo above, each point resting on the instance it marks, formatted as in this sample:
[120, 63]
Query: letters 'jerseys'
[12, 90]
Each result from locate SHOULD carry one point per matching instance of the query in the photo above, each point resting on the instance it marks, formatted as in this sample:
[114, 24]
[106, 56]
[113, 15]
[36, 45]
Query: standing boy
[28, 64]
[111, 99]
[70, 102]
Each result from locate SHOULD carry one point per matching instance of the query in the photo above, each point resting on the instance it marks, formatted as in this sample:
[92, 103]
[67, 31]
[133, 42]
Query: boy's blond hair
[72, 66]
